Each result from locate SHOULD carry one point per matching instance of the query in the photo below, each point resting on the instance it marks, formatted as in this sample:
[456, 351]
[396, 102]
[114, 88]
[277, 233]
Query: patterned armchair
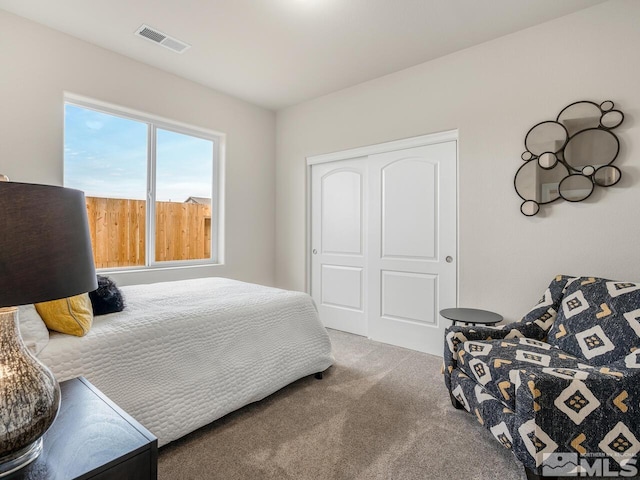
[561, 387]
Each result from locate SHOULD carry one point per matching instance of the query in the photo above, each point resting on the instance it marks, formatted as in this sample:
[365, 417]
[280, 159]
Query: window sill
[157, 268]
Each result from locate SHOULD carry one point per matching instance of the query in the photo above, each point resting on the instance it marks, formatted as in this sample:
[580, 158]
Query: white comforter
[183, 354]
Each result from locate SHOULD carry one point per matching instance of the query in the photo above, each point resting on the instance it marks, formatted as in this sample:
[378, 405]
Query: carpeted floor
[381, 412]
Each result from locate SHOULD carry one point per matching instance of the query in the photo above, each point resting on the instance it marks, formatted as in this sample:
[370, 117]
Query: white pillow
[35, 334]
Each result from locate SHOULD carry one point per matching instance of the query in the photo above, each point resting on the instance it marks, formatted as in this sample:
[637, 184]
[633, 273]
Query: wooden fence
[117, 226]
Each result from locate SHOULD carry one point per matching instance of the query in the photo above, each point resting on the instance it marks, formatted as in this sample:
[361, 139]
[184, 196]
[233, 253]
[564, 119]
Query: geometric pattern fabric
[563, 380]
[492, 366]
[598, 320]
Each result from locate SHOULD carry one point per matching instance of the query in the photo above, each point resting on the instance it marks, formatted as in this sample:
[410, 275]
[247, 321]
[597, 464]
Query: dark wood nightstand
[92, 438]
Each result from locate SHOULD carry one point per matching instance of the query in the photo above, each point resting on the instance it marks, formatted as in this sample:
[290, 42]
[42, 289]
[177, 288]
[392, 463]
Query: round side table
[471, 316]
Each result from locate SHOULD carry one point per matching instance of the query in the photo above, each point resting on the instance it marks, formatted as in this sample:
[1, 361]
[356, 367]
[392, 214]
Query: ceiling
[276, 53]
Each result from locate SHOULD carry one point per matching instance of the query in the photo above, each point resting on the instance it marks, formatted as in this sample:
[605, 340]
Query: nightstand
[92, 438]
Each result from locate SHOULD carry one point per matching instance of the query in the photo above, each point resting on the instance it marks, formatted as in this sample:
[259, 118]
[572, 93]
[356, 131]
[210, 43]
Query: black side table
[471, 316]
[92, 438]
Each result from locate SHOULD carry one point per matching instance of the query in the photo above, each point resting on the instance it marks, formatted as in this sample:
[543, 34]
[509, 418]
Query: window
[151, 185]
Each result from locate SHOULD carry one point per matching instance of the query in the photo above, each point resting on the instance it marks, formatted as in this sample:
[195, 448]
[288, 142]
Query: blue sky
[106, 156]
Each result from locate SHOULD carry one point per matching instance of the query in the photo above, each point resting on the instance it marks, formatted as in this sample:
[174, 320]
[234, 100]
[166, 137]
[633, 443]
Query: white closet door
[338, 260]
[412, 245]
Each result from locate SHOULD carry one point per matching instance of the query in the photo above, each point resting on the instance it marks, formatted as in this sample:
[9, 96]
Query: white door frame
[422, 140]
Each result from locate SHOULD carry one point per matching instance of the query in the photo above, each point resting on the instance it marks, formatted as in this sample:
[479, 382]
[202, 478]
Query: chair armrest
[579, 410]
[457, 334]
[535, 324]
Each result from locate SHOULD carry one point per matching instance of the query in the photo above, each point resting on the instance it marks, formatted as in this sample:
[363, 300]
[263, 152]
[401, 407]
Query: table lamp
[45, 254]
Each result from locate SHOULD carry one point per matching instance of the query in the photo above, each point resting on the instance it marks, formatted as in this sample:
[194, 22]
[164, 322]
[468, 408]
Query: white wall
[37, 64]
[493, 93]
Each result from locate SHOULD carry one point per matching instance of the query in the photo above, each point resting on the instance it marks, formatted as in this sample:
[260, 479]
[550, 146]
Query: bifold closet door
[412, 245]
[338, 231]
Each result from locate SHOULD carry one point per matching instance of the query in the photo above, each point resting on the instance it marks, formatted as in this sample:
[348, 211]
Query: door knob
[314, 251]
[449, 259]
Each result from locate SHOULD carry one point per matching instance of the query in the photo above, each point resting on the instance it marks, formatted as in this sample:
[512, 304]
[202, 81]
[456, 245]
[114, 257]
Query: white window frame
[217, 181]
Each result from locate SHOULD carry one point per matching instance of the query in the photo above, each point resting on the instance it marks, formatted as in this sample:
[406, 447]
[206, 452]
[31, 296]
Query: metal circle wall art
[568, 157]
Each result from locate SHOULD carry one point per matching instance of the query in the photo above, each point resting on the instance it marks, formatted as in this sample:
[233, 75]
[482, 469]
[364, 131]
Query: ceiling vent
[156, 36]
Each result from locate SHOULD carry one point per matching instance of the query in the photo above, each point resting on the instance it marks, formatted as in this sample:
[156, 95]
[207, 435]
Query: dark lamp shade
[45, 247]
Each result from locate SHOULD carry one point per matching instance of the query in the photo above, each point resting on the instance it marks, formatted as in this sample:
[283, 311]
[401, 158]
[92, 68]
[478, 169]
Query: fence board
[117, 228]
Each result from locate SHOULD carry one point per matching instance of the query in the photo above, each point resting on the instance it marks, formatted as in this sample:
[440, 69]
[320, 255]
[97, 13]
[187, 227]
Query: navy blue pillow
[107, 298]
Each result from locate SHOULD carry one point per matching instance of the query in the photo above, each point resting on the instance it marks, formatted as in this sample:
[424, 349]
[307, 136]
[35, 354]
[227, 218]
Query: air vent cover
[160, 38]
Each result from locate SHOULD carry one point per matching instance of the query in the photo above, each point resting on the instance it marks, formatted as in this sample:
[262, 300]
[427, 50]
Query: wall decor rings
[568, 157]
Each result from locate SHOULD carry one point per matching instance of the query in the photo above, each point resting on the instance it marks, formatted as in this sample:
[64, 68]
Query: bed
[185, 353]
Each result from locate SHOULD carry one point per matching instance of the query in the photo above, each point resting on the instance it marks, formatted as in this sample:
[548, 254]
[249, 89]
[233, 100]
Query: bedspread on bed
[185, 353]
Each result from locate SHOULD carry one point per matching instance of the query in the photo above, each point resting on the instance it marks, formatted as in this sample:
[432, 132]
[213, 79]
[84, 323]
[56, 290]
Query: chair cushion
[598, 320]
[496, 364]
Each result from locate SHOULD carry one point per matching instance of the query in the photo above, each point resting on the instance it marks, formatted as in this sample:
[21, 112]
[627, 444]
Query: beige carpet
[381, 412]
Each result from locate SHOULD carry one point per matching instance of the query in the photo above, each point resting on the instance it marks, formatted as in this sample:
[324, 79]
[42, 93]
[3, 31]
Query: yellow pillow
[73, 315]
